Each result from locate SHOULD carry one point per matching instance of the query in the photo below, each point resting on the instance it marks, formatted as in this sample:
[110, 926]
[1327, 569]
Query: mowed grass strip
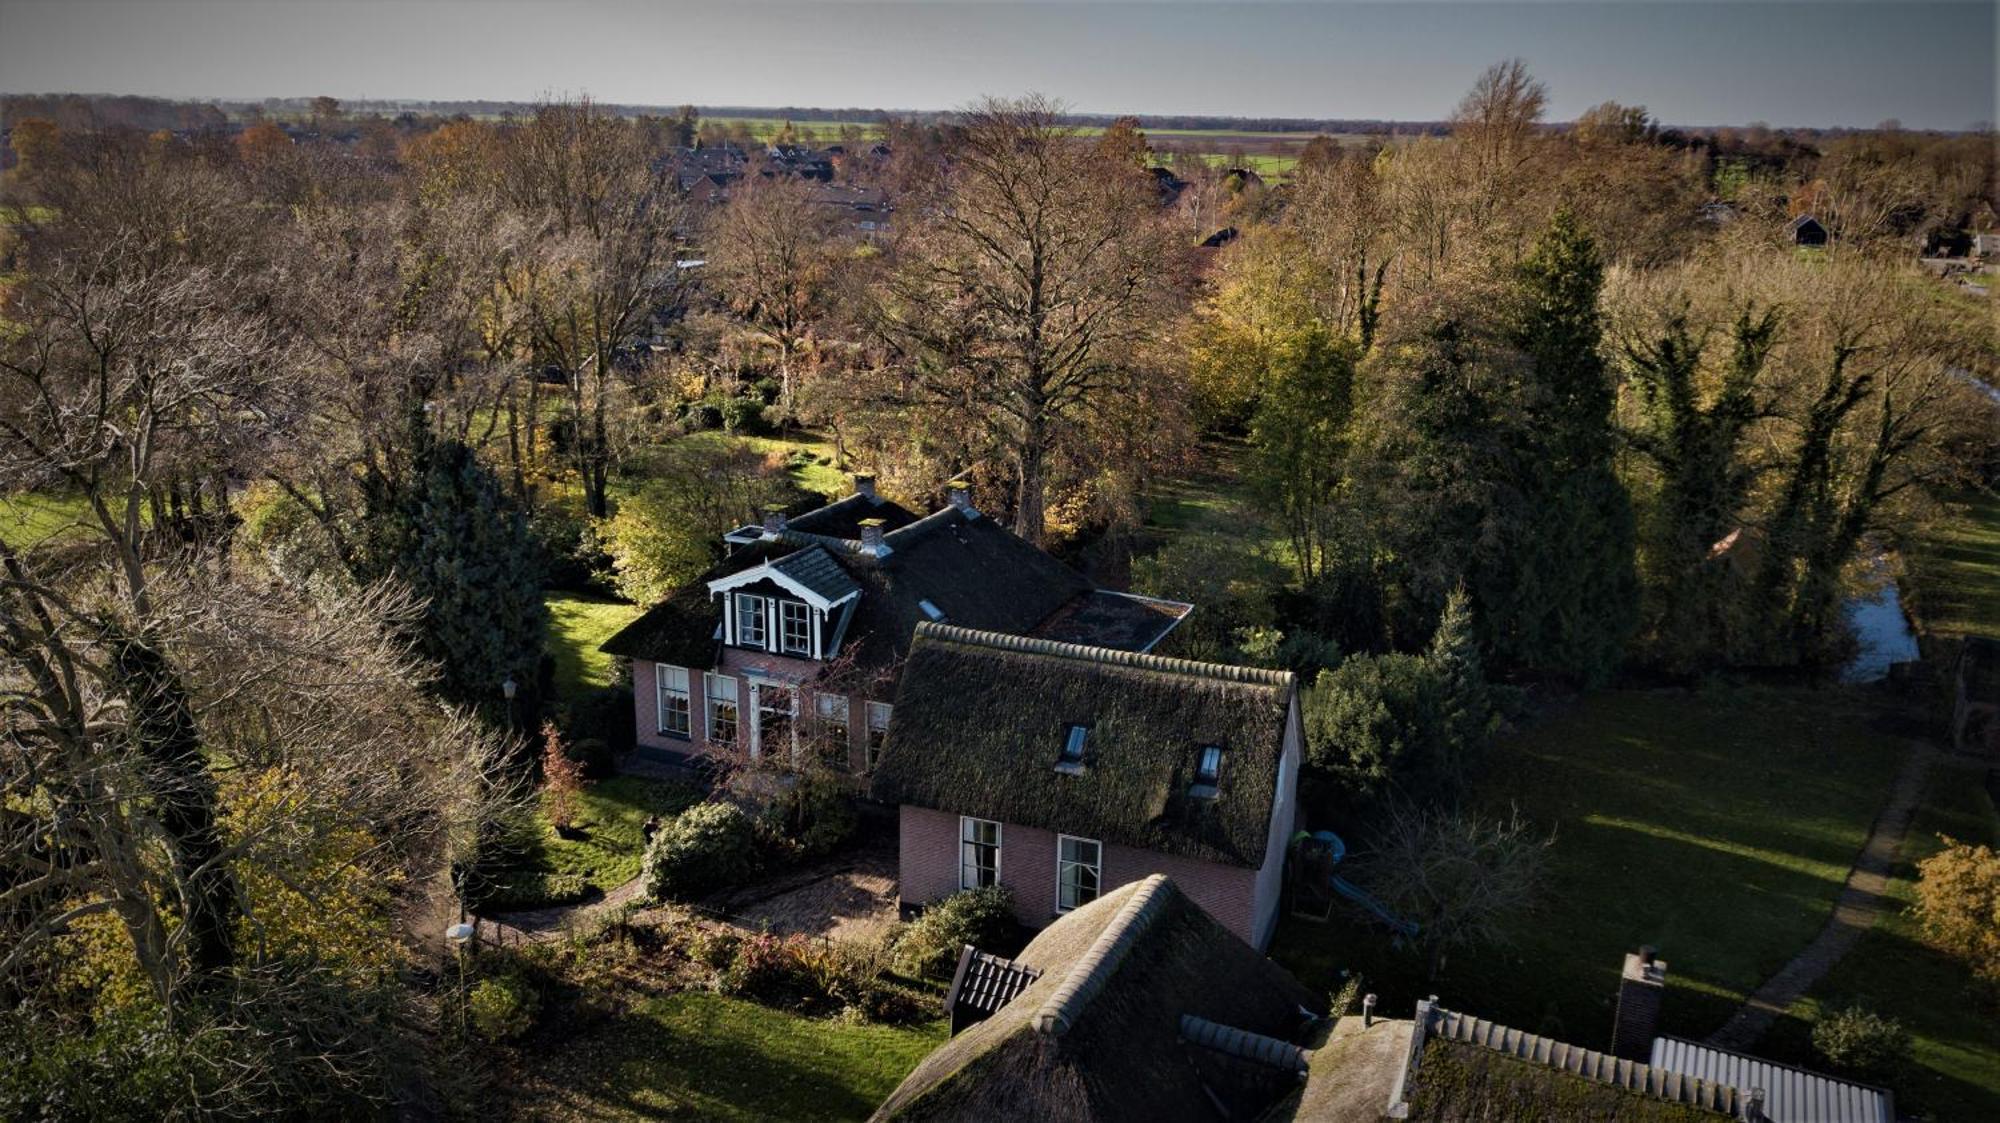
[1954, 1024]
[578, 624]
[696, 1055]
[1718, 827]
[1954, 569]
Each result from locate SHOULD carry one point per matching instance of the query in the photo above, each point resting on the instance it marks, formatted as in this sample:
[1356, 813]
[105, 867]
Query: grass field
[611, 814]
[1955, 1030]
[696, 1055]
[1718, 827]
[1953, 580]
[30, 518]
[578, 623]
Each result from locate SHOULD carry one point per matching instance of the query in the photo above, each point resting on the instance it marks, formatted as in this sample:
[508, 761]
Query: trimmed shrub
[1373, 722]
[502, 1007]
[929, 947]
[604, 716]
[1862, 1042]
[699, 851]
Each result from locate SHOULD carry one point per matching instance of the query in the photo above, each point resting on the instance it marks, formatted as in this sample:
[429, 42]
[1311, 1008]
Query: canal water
[1883, 632]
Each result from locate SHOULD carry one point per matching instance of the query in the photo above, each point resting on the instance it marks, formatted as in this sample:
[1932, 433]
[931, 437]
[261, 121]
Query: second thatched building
[1064, 771]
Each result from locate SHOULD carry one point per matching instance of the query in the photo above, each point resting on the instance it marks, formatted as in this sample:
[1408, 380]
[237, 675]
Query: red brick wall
[646, 713]
[929, 870]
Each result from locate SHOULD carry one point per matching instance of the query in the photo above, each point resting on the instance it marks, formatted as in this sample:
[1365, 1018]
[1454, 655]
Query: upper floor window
[794, 628]
[749, 620]
[674, 709]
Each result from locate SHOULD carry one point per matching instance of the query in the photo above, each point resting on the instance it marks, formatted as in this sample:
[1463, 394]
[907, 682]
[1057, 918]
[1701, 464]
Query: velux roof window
[1207, 772]
[1071, 757]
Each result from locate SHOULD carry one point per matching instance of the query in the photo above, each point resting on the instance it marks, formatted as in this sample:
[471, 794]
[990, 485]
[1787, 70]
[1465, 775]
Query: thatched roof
[981, 717]
[1459, 1082]
[1098, 1035]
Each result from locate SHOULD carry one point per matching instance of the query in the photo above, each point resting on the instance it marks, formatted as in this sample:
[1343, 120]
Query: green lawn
[30, 518]
[578, 624]
[611, 818]
[1953, 577]
[1955, 1030]
[1718, 827]
[696, 1055]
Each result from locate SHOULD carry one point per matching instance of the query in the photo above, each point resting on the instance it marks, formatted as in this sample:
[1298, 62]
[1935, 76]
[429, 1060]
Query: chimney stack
[864, 485]
[1641, 987]
[960, 490]
[774, 521]
[871, 538]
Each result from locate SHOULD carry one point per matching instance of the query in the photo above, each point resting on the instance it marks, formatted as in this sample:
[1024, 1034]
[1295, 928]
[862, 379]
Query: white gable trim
[765, 572]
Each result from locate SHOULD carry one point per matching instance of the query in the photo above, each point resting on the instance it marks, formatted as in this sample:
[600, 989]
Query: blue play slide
[1359, 895]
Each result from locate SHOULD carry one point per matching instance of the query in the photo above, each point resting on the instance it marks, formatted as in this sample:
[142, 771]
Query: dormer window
[794, 628]
[749, 620]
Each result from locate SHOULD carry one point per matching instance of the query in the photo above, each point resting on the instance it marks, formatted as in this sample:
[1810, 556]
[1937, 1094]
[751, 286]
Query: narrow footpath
[1861, 903]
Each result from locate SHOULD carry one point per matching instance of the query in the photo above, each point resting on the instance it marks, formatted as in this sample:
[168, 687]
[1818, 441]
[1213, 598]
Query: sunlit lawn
[610, 820]
[30, 518]
[1718, 827]
[1954, 569]
[1955, 1029]
[578, 624]
[696, 1055]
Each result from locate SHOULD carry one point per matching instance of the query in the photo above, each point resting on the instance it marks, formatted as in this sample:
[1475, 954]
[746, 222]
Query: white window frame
[1064, 864]
[660, 691]
[758, 692]
[965, 840]
[785, 621]
[712, 692]
[743, 619]
[871, 752]
[841, 726]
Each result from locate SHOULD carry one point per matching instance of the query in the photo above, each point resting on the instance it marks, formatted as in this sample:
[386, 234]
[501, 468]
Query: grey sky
[1804, 63]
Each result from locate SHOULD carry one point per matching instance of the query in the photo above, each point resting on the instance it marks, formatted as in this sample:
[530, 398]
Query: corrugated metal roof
[1791, 1095]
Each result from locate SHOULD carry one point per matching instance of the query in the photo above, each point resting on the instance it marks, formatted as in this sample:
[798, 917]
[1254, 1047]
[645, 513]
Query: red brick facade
[930, 851]
[746, 669]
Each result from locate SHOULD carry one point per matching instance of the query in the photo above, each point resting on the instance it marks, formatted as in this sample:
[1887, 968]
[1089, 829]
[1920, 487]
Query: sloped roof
[815, 569]
[980, 718]
[842, 517]
[1792, 1095]
[1097, 1036]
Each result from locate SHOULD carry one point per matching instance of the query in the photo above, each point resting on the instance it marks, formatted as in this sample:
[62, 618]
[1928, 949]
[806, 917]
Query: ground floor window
[674, 711]
[1079, 871]
[830, 729]
[722, 710]
[878, 733]
[777, 711]
[978, 853]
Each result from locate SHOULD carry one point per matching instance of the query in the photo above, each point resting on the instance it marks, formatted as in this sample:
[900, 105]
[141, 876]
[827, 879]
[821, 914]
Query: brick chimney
[1641, 987]
[774, 521]
[864, 485]
[960, 491]
[871, 538]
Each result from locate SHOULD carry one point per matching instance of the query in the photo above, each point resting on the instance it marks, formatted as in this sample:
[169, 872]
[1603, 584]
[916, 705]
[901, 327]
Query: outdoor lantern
[509, 687]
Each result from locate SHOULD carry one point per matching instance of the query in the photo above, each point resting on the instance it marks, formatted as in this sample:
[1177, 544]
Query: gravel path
[1861, 903]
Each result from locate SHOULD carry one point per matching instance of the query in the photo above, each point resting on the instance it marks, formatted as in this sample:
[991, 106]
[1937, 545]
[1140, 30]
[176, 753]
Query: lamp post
[508, 689]
[458, 936]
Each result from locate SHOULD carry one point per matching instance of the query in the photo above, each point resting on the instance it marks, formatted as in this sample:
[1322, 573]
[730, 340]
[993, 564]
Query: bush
[714, 948]
[1958, 905]
[502, 1007]
[699, 851]
[1373, 723]
[603, 715]
[1863, 1043]
[929, 948]
[571, 553]
[813, 814]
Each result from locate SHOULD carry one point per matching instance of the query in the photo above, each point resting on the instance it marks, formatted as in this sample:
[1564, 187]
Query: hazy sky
[1788, 63]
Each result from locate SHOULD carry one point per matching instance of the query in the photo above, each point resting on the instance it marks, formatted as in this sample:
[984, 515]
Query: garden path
[1861, 903]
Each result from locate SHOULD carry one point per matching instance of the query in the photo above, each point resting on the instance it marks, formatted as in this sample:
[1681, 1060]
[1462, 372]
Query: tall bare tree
[1029, 292]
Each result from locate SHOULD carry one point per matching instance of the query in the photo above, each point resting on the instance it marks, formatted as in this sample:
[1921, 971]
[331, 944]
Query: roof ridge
[1589, 1064]
[1035, 645]
[922, 526]
[1088, 974]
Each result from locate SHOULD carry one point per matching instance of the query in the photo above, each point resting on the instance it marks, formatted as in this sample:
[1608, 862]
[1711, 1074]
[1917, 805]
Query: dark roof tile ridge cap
[1036, 645]
[922, 526]
[1088, 974]
[1255, 1047]
[804, 538]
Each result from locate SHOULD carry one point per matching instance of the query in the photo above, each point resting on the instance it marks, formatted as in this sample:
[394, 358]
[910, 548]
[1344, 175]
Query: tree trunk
[1028, 509]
